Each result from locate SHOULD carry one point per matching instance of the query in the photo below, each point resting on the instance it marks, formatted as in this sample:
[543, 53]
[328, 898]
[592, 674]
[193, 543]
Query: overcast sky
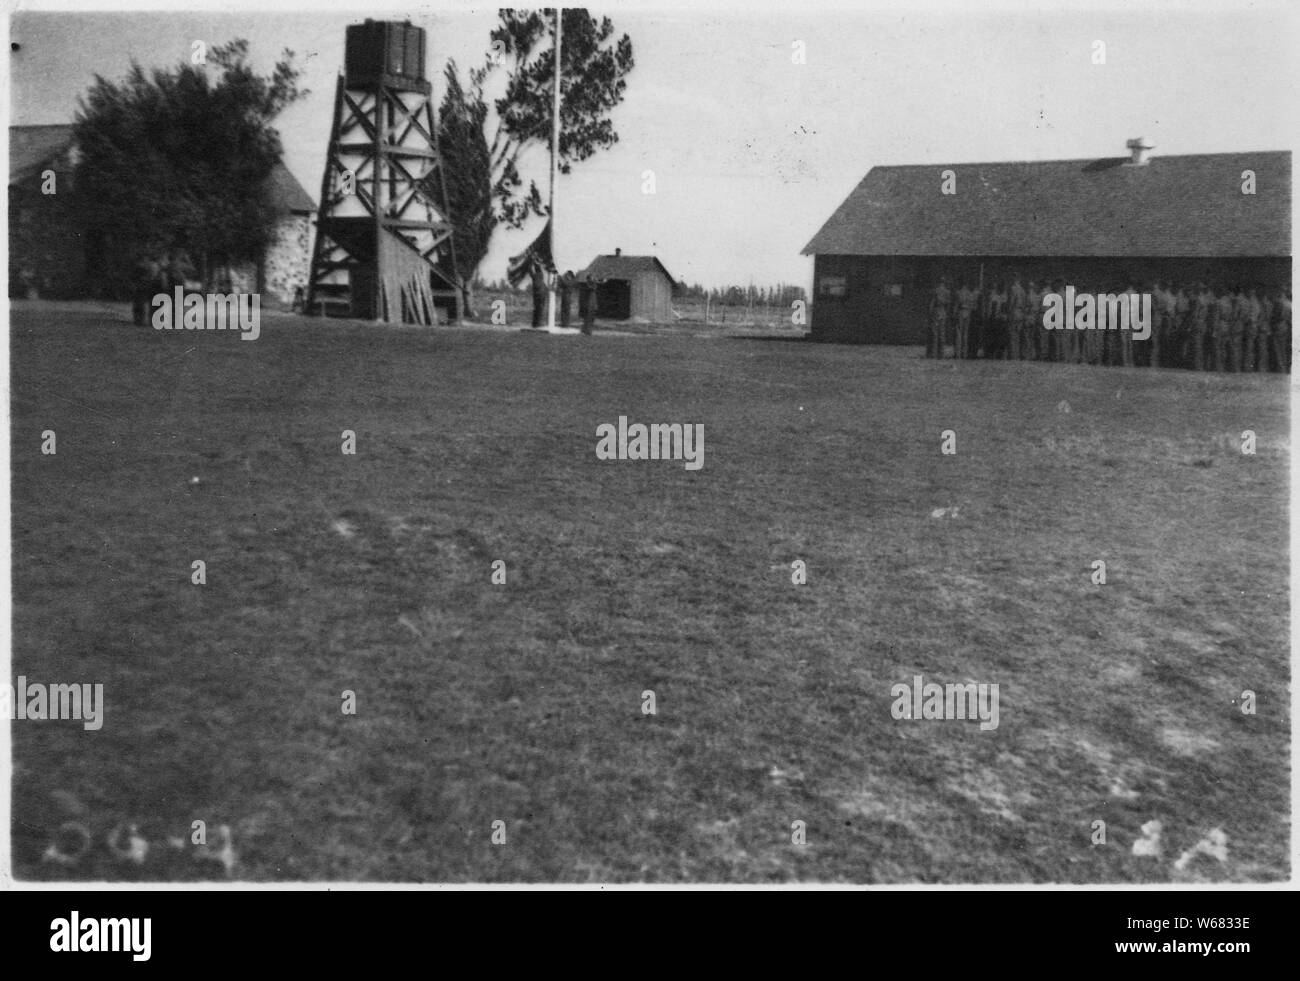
[752, 152]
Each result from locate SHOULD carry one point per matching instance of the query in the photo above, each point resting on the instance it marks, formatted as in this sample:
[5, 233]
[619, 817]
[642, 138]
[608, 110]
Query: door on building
[614, 299]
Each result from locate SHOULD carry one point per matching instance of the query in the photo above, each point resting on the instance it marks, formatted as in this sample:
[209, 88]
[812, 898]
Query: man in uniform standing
[538, 275]
[1052, 344]
[587, 302]
[1203, 310]
[1265, 330]
[1281, 330]
[567, 282]
[1016, 303]
[940, 300]
[1126, 336]
[1249, 328]
[1074, 341]
[995, 321]
[1178, 353]
[1221, 329]
[1236, 336]
[1166, 309]
[967, 300]
[1064, 342]
[1030, 341]
[1093, 343]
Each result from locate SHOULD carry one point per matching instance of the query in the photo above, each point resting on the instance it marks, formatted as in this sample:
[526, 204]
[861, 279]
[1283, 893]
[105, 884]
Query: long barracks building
[1219, 218]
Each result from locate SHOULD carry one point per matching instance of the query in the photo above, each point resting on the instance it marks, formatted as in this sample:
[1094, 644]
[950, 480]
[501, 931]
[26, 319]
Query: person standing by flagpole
[538, 276]
[535, 263]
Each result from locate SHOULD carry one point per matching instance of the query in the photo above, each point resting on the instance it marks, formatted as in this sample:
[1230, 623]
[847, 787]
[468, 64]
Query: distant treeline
[782, 294]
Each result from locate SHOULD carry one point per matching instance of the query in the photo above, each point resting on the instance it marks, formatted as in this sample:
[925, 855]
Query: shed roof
[625, 267]
[1189, 205]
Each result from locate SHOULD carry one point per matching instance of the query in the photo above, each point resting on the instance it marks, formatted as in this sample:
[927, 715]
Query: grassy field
[522, 702]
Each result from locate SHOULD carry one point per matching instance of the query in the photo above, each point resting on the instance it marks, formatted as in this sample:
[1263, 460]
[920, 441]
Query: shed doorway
[614, 299]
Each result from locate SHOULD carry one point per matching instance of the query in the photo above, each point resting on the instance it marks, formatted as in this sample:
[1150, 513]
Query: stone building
[51, 256]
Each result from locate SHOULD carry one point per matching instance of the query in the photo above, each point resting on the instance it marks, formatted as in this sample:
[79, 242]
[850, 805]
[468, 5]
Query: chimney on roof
[1140, 150]
[618, 251]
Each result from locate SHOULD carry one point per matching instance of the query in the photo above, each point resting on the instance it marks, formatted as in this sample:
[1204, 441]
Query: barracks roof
[1171, 206]
[31, 148]
[625, 266]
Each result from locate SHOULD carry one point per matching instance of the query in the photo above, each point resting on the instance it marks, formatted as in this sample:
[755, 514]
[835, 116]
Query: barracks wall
[884, 299]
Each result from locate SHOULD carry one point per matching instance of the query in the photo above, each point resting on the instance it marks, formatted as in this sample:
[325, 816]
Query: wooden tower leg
[326, 193]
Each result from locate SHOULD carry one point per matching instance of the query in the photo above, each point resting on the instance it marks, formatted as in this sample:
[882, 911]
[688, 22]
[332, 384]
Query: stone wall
[285, 268]
[288, 260]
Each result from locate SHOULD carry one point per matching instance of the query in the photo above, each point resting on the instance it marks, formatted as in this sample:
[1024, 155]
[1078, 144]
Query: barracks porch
[1099, 225]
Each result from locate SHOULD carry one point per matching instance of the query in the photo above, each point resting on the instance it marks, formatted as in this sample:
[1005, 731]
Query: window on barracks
[833, 286]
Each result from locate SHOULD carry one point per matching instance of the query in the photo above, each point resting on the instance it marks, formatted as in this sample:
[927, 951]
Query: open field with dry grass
[522, 702]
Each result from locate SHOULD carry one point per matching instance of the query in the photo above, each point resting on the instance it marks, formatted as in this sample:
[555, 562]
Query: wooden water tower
[384, 238]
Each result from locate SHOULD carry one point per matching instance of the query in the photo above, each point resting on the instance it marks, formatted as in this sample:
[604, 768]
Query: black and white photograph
[649, 446]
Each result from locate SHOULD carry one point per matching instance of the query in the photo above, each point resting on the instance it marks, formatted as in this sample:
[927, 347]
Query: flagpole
[555, 160]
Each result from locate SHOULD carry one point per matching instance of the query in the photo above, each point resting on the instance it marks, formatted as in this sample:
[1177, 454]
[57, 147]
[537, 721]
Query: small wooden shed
[633, 287]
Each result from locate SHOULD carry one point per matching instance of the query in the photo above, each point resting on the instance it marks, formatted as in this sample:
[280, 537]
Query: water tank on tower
[384, 51]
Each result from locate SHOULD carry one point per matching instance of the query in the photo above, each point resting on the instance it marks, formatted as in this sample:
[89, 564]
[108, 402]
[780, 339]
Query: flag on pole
[521, 266]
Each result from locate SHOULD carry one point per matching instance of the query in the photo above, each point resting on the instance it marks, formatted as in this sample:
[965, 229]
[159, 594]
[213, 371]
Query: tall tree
[467, 167]
[488, 144]
[180, 158]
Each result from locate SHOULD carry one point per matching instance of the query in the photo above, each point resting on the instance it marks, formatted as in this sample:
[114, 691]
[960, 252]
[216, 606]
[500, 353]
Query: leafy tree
[179, 159]
[467, 171]
[485, 146]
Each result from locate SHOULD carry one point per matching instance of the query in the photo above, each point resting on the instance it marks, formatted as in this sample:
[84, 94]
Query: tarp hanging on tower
[405, 293]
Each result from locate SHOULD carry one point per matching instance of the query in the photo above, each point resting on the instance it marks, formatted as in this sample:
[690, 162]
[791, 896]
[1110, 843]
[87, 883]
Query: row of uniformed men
[1238, 329]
